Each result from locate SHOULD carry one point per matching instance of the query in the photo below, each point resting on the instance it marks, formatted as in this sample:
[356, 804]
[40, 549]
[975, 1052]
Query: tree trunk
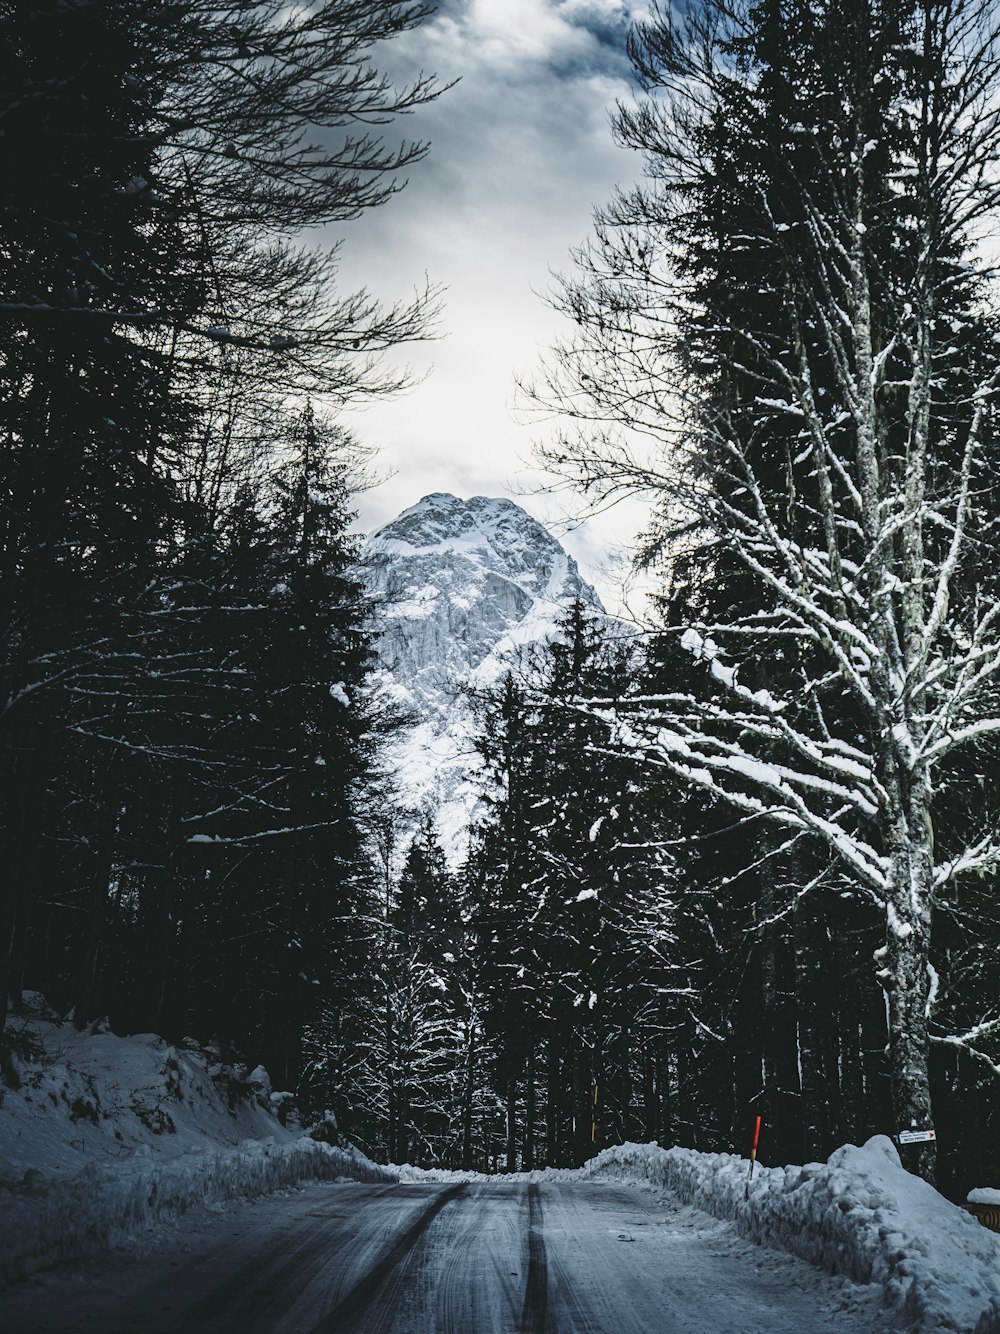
[391, 1102]
[907, 938]
[650, 1130]
[852, 1001]
[626, 1120]
[87, 999]
[814, 1098]
[582, 1102]
[529, 1107]
[22, 792]
[553, 1104]
[468, 1098]
[671, 1119]
[511, 1124]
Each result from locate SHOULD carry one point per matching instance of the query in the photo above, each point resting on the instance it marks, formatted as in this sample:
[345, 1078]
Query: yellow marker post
[593, 1119]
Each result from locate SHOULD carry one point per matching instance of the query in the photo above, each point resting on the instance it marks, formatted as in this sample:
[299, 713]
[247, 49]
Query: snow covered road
[482, 1257]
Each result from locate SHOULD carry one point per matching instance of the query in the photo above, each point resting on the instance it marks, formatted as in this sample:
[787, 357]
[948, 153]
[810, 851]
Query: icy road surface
[469, 1258]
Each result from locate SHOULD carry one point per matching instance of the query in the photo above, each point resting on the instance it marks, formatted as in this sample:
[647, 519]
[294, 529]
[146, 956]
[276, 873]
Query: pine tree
[574, 916]
[314, 742]
[426, 912]
[86, 412]
[828, 438]
[155, 163]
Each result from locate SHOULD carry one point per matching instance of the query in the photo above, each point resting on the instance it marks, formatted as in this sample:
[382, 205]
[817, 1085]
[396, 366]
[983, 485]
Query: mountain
[466, 590]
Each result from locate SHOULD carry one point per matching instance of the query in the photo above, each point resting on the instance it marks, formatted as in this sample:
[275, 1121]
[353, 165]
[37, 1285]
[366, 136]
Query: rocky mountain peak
[465, 590]
[462, 581]
[495, 529]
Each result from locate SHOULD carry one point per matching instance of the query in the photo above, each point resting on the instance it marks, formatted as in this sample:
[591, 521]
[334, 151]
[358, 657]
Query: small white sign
[915, 1136]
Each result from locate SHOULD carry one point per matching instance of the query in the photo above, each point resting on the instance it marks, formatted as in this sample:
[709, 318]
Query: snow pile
[101, 1135]
[45, 1222]
[860, 1215]
[75, 1098]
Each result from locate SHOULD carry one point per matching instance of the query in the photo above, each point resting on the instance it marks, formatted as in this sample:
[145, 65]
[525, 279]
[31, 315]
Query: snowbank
[43, 1223]
[73, 1098]
[101, 1135]
[860, 1214]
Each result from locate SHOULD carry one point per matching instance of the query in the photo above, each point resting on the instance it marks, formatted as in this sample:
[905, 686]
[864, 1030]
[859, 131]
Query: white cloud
[518, 30]
[562, 33]
[521, 152]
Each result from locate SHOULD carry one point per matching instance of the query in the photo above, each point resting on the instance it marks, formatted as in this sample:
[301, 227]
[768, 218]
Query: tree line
[622, 958]
[742, 863]
[186, 740]
[785, 335]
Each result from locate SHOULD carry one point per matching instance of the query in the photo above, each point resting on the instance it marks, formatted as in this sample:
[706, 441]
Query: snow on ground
[860, 1215]
[420, 1258]
[109, 1134]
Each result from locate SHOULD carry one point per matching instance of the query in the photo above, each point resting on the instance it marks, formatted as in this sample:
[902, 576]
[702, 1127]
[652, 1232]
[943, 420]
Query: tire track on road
[480, 1286]
[536, 1286]
[598, 1312]
[357, 1304]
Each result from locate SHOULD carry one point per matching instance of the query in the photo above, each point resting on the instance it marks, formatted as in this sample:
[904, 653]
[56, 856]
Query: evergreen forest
[738, 861]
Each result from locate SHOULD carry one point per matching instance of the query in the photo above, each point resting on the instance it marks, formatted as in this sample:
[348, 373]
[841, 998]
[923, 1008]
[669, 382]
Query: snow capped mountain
[464, 584]
[466, 590]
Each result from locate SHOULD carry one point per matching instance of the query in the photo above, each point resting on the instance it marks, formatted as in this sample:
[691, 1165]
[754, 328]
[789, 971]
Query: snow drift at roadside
[102, 1135]
[43, 1223]
[860, 1214]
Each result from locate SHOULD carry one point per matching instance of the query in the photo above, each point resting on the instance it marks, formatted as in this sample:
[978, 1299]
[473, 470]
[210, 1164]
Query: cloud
[566, 37]
[521, 151]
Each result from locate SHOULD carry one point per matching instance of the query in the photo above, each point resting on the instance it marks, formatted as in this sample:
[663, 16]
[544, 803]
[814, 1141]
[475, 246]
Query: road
[480, 1257]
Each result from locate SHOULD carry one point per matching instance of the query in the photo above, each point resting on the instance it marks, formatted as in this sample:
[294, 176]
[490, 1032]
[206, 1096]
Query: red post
[753, 1157]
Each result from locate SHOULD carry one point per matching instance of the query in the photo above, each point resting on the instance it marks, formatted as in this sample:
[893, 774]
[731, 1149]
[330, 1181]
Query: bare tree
[248, 123]
[836, 447]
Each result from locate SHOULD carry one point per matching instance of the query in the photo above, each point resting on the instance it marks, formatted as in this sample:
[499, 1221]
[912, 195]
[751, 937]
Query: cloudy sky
[521, 152]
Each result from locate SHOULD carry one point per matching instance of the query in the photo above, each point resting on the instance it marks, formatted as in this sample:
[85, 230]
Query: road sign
[916, 1136]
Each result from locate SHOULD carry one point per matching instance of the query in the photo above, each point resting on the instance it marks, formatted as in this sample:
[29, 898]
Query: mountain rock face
[466, 590]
